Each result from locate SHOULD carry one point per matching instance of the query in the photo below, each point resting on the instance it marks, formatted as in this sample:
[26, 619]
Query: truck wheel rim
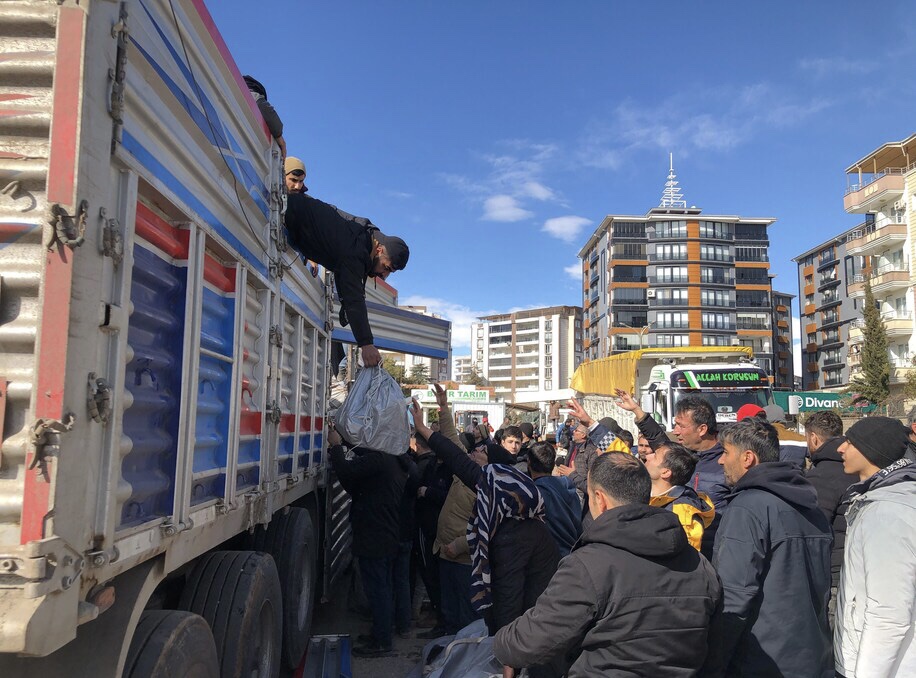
[263, 654]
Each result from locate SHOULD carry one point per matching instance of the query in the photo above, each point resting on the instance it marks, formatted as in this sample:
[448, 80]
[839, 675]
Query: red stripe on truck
[157, 231]
[58, 277]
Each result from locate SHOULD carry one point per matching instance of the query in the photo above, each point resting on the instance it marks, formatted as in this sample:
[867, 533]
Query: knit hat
[748, 410]
[527, 429]
[610, 424]
[881, 440]
[397, 249]
[293, 164]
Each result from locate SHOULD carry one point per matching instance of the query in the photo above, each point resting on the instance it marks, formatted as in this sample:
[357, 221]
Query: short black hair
[826, 424]
[422, 442]
[468, 440]
[512, 432]
[700, 410]
[542, 457]
[625, 436]
[622, 476]
[754, 434]
[680, 461]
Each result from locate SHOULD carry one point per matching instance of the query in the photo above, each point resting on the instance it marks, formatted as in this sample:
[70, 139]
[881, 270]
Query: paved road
[335, 617]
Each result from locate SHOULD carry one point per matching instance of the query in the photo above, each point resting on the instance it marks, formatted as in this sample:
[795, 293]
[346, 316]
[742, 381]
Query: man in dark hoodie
[375, 482]
[353, 249]
[772, 554]
[564, 511]
[696, 429]
[824, 434]
[633, 598]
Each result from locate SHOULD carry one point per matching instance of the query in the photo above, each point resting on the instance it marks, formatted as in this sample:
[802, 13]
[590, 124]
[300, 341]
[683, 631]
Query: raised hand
[579, 412]
[441, 396]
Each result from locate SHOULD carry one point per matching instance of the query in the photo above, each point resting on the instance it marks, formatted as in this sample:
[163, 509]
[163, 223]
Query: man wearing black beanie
[875, 611]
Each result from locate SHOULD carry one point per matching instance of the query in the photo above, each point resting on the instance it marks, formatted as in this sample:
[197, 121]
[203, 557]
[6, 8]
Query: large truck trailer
[166, 507]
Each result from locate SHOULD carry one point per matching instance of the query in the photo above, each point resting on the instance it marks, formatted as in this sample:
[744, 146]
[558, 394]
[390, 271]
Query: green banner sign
[813, 401]
[429, 396]
[701, 378]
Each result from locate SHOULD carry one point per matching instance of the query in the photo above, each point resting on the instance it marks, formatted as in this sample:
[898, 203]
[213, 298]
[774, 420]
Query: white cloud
[574, 271]
[504, 208]
[401, 195]
[730, 117]
[566, 228]
[824, 66]
[460, 315]
[538, 191]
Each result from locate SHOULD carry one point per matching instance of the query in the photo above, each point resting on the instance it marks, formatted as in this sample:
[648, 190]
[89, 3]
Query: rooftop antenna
[671, 196]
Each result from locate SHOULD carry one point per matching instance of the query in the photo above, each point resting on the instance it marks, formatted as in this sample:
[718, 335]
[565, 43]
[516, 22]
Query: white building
[529, 356]
[461, 368]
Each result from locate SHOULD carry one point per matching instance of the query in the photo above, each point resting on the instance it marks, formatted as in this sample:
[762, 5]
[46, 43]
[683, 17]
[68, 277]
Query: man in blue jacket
[772, 554]
[564, 510]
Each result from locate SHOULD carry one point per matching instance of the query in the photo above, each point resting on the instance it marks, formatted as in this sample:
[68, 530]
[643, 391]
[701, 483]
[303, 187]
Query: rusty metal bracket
[112, 240]
[45, 434]
[98, 400]
[69, 230]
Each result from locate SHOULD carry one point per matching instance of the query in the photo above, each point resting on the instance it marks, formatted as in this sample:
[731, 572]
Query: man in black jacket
[824, 433]
[773, 556]
[633, 598]
[375, 482]
[353, 249]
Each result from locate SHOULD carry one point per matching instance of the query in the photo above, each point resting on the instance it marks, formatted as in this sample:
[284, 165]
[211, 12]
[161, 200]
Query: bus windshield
[725, 403]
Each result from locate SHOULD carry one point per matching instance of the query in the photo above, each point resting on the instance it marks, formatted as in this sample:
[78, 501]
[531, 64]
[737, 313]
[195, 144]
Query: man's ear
[702, 429]
[664, 473]
[749, 459]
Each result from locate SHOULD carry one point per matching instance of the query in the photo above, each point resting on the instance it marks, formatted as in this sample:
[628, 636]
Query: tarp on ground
[602, 376]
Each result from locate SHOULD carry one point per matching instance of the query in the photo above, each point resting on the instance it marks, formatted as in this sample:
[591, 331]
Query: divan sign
[812, 402]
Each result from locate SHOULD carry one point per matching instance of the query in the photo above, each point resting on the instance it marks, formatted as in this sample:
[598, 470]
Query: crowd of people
[744, 549]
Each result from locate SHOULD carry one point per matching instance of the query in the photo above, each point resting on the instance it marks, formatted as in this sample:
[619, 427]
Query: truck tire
[290, 539]
[171, 643]
[238, 593]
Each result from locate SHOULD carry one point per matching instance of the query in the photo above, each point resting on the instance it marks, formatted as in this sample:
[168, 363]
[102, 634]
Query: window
[752, 276]
[676, 296]
[417, 360]
[715, 253]
[716, 230]
[716, 340]
[630, 250]
[548, 325]
[547, 350]
[548, 385]
[751, 232]
[480, 343]
[670, 229]
[479, 331]
[629, 295]
[809, 279]
[676, 252]
[629, 229]
[743, 253]
[548, 373]
[548, 360]
[637, 319]
[753, 321]
[712, 275]
[716, 321]
[629, 274]
[672, 320]
[665, 340]
[548, 337]
[479, 356]
[716, 298]
[670, 274]
[752, 298]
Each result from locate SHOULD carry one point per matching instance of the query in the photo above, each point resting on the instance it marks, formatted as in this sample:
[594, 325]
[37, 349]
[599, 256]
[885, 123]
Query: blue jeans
[378, 583]
[403, 609]
[455, 579]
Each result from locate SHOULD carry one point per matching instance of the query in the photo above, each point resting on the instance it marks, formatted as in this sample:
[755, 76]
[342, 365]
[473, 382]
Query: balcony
[895, 325]
[867, 242]
[883, 280]
[874, 190]
[812, 367]
[668, 256]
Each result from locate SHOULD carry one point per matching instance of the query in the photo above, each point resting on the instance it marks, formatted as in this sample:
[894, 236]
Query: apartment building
[529, 356]
[781, 321]
[831, 277]
[677, 277]
[461, 369]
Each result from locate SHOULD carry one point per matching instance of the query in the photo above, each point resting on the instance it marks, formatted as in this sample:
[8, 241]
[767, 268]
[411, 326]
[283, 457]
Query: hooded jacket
[694, 510]
[832, 482]
[773, 556]
[564, 511]
[340, 242]
[632, 599]
[876, 609]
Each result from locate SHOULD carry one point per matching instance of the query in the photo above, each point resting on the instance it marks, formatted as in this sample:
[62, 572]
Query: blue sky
[494, 137]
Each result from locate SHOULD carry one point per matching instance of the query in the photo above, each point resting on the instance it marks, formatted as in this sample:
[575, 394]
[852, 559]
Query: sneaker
[435, 632]
[372, 649]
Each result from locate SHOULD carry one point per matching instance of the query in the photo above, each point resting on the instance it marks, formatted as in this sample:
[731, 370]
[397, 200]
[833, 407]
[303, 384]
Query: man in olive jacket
[633, 597]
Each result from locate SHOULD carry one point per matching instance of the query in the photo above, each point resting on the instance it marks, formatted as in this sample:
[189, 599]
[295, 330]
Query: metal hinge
[275, 336]
[69, 230]
[101, 558]
[112, 241]
[273, 412]
[42, 566]
[45, 436]
[98, 400]
[117, 76]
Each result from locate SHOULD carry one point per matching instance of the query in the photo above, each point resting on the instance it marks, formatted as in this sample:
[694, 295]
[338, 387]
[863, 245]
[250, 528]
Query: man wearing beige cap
[294, 170]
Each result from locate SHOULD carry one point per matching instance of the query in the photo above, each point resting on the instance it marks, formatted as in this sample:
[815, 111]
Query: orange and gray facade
[832, 276]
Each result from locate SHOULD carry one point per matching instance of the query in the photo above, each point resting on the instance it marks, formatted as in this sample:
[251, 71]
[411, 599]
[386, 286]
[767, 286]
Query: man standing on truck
[353, 249]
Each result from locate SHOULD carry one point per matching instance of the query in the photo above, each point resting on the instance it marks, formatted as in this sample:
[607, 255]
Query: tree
[392, 368]
[419, 374]
[476, 379]
[873, 383]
